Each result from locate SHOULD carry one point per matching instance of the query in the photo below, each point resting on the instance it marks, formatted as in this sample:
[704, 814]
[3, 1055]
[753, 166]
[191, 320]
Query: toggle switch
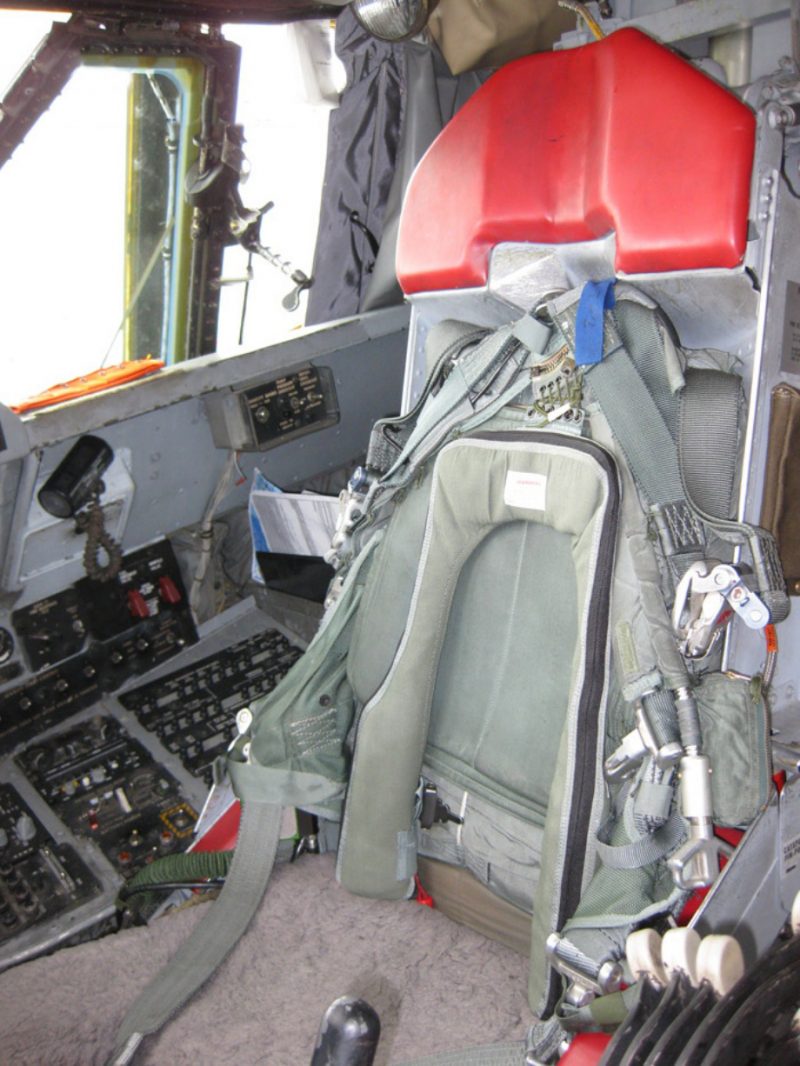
[137, 604]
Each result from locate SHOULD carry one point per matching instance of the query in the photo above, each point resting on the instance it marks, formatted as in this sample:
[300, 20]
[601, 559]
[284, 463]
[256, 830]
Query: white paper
[296, 523]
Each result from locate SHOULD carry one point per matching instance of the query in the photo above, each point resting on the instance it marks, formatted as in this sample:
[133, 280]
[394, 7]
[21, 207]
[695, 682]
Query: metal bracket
[635, 745]
[705, 597]
[583, 984]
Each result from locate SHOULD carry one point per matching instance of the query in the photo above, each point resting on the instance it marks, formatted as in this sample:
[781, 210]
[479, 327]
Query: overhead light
[393, 20]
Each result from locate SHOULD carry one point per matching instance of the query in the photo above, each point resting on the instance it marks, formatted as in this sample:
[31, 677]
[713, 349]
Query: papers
[289, 523]
[295, 523]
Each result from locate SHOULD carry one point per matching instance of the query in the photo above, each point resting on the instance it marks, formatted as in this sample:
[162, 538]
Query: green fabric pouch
[736, 740]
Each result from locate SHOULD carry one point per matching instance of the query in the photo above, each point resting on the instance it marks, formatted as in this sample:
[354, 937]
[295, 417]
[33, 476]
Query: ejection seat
[615, 160]
[636, 168]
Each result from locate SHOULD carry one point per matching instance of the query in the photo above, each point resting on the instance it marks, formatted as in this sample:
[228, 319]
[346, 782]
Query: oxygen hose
[190, 869]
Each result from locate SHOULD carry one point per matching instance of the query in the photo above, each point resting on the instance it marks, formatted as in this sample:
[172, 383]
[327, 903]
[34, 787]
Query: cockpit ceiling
[202, 11]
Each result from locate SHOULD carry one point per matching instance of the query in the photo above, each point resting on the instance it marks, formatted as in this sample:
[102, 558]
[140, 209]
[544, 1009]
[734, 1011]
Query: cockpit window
[61, 218]
[128, 230]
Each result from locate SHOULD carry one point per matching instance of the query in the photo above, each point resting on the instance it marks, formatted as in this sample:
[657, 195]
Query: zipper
[584, 777]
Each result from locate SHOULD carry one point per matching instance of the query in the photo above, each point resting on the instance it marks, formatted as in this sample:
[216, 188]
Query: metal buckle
[558, 388]
[705, 597]
[584, 985]
[639, 742]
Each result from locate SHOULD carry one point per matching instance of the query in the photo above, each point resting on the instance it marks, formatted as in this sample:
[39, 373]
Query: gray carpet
[437, 986]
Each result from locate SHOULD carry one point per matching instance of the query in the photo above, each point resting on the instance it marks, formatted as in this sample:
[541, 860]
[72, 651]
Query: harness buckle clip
[587, 978]
[639, 742]
[706, 596]
[433, 809]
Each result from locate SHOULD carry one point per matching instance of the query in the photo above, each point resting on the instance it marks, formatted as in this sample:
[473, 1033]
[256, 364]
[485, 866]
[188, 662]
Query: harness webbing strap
[709, 426]
[489, 375]
[638, 426]
[454, 399]
[683, 495]
[389, 435]
[214, 938]
[487, 368]
[709, 439]
[645, 849]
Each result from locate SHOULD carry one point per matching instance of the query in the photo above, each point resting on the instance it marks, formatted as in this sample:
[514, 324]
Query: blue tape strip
[596, 298]
[257, 535]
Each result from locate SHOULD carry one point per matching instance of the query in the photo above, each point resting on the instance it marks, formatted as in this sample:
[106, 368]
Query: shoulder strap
[687, 475]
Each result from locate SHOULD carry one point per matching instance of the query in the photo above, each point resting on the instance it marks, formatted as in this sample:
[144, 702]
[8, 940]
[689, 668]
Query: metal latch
[635, 745]
[433, 809]
[586, 979]
[705, 597]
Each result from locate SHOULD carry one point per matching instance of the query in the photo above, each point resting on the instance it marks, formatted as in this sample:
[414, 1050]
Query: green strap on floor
[213, 939]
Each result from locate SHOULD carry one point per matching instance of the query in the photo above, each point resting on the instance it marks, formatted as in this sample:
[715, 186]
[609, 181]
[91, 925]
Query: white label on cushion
[525, 490]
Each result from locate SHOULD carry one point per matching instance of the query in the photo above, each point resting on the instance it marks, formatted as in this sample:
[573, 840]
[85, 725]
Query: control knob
[25, 828]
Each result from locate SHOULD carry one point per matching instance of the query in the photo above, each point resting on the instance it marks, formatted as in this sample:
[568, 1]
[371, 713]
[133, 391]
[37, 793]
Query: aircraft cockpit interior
[397, 661]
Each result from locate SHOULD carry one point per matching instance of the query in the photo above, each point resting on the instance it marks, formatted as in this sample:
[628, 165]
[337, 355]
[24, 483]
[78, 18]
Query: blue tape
[596, 298]
[257, 535]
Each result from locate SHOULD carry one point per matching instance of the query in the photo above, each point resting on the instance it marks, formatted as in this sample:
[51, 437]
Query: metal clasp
[585, 982]
[705, 597]
[635, 745]
[352, 512]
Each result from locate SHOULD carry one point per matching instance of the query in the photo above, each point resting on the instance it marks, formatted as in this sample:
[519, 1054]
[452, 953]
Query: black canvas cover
[397, 99]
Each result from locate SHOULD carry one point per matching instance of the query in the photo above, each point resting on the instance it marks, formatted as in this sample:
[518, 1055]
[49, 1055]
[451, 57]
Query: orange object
[771, 637]
[423, 897]
[98, 381]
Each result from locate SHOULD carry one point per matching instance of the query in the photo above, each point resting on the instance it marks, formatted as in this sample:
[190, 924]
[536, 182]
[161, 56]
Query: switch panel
[105, 786]
[92, 637]
[40, 879]
[263, 415]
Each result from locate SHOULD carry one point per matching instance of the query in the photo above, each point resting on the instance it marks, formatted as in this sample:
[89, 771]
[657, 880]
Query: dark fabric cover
[398, 97]
[363, 139]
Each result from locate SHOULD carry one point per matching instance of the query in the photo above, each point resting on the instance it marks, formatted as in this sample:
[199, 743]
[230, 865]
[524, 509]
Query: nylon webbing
[390, 435]
[660, 708]
[644, 850]
[638, 427]
[708, 499]
[638, 326]
[454, 395]
[213, 939]
[708, 439]
[589, 950]
[488, 367]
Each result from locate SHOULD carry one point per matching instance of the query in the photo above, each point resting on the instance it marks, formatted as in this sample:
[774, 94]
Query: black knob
[348, 1035]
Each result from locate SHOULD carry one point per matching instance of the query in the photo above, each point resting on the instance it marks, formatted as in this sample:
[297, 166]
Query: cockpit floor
[437, 986]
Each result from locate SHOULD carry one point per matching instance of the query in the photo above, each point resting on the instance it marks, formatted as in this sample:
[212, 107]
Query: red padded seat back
[621, 135]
